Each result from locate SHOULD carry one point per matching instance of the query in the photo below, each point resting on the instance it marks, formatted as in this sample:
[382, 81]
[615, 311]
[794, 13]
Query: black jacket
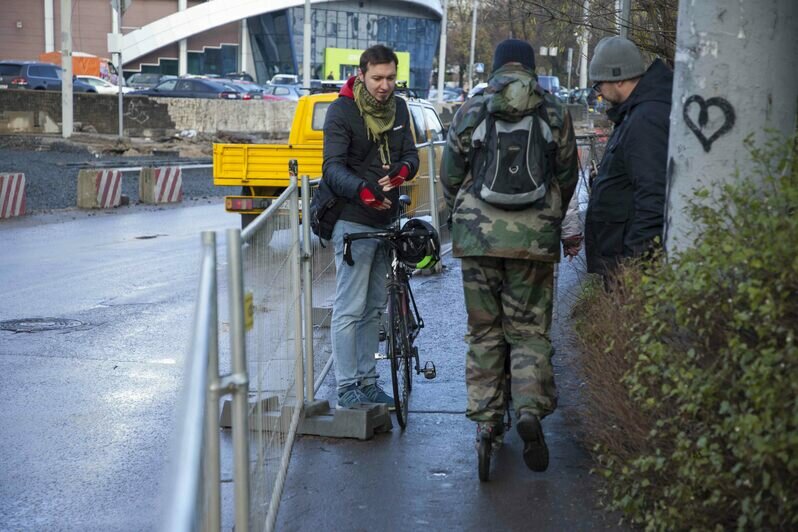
[346, 145]
[627, 202]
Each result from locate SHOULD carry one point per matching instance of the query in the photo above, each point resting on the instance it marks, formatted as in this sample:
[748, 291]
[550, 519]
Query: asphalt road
[87, 407]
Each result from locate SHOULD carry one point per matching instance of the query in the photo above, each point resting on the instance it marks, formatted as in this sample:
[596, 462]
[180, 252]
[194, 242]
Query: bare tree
[556, 23]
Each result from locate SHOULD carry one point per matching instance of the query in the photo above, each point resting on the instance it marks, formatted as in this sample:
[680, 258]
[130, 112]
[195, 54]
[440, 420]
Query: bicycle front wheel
[400, 359]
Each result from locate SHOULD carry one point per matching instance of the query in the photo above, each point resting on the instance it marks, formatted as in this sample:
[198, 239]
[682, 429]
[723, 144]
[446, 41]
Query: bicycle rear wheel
[400, 359]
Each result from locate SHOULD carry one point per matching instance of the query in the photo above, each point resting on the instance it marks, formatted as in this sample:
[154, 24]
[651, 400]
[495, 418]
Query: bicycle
[403, 325]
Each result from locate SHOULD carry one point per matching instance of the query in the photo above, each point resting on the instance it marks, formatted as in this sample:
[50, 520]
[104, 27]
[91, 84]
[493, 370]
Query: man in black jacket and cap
[627, 201]
[368, 153]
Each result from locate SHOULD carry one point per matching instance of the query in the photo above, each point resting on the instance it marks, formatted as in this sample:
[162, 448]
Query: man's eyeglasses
[596, 86]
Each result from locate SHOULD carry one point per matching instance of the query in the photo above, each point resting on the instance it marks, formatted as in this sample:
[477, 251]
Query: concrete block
[361, 422]
[161, 185]
[321, 317]
[12, 195]
[318, 419]
[99, 189]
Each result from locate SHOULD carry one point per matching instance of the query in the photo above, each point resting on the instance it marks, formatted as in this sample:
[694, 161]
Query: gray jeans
[360, 299]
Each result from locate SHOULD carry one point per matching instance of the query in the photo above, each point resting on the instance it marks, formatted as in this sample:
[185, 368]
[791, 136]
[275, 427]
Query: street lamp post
[442, 51]
[473, 42]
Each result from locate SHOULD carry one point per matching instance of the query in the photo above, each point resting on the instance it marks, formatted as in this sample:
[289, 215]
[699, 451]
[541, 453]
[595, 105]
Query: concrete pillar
[735, 76]
[182, 57]
[49, 26]
[67, 124]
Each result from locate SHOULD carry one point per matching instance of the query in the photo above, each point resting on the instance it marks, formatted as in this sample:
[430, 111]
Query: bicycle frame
[404, 319]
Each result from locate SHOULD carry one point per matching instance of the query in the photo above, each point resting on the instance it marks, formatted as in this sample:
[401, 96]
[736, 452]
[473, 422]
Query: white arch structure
[208, 15]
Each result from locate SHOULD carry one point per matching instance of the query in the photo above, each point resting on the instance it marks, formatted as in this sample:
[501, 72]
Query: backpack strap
[551, 146]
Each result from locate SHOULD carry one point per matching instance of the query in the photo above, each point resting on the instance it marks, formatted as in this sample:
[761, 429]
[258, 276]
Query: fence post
[240, 390]
[307, 291]
[211, 463]
[296, 257]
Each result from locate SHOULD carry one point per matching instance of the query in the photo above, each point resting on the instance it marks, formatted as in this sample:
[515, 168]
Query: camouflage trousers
[509, 304]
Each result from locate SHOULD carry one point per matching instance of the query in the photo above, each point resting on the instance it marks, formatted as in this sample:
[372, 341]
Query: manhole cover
[39, 324]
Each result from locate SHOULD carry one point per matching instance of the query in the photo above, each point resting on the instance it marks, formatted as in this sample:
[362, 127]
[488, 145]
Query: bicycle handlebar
[390, 236]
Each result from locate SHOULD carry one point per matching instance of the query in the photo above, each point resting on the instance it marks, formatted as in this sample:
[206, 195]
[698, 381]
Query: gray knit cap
[616, 59]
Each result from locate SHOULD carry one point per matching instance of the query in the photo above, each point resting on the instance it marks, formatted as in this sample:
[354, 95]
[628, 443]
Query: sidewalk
[426, 476]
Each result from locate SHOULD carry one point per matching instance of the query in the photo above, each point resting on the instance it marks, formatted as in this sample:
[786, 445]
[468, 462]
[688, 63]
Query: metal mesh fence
[271, 354]
[323, 291]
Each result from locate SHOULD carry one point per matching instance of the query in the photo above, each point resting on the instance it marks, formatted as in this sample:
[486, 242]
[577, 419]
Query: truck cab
[262, 169]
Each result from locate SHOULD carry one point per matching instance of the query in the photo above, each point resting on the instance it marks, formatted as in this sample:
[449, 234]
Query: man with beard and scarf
[368, 153]
[627, 201]
[508, 256]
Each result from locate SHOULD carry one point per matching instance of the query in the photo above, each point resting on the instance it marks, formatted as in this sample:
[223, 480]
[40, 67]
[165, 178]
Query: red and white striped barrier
[12, 195]
[161, 185]
[99, 189]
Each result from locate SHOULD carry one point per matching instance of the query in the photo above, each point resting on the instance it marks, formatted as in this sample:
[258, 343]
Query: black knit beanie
[514, 51]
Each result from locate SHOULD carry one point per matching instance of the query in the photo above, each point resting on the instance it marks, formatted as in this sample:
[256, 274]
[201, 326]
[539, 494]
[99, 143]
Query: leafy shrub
[691, 365]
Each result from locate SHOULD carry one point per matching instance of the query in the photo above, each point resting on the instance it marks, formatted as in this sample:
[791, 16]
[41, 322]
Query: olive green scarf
[379, 118]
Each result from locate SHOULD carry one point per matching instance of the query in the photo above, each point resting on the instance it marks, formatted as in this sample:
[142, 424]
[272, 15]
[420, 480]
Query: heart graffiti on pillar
[703, 117]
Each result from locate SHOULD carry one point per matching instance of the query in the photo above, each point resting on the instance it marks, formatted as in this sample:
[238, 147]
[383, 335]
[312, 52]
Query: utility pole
[245, 59]
[570, 65]
[182, 53]
[583, 45]
[306, 54]
[625, 20]
[442, 51]
[66, 64]
[49, 26]
[734, 76]
[473, 42]
[115, 47]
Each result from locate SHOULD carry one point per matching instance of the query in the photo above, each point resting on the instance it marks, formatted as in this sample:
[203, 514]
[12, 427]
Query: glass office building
[277, 39]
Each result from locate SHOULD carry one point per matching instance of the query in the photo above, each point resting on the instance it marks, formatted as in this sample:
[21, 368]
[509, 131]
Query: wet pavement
[425, 477]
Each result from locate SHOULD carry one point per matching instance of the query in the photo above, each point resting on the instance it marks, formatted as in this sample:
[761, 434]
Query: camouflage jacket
[481, 229]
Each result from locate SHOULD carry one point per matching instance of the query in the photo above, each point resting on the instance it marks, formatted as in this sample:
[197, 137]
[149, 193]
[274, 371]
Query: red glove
[398, 174]
[371, 195]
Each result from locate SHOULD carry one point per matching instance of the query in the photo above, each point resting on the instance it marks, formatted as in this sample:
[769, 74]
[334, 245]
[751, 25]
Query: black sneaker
[536, 454]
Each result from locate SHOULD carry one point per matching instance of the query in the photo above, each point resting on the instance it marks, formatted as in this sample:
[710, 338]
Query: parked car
[450, 94]
[563, 94]
[549, 83]
[478, 88]
[243, 76]
[284, 92]
[36, 75]
[146, 80]
[284, 79]
[192, 88]
[584, 96]
[103, 86]
[248, 90]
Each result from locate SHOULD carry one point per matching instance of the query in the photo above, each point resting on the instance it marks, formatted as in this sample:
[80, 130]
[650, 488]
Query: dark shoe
[376, 394]
[350, 396]
[536, 454]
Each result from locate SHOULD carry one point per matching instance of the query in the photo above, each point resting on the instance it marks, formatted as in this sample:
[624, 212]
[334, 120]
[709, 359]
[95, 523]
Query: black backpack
[513, 162]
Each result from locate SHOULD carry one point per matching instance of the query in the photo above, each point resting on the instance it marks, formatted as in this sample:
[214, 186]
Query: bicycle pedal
[429, 370]
[380, 356]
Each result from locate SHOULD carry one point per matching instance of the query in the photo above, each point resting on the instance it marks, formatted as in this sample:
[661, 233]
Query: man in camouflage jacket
[508, 258]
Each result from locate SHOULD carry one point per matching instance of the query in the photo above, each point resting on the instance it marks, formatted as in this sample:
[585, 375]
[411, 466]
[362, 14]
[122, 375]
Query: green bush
[708, 365]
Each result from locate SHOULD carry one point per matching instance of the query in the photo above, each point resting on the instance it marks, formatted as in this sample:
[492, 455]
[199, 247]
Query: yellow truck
[262, 169]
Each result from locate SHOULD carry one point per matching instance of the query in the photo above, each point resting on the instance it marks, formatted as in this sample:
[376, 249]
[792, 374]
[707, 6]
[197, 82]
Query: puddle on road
[32, 325]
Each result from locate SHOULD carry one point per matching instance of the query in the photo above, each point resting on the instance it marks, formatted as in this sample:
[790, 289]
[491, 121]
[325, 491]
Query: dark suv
[37, 76]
